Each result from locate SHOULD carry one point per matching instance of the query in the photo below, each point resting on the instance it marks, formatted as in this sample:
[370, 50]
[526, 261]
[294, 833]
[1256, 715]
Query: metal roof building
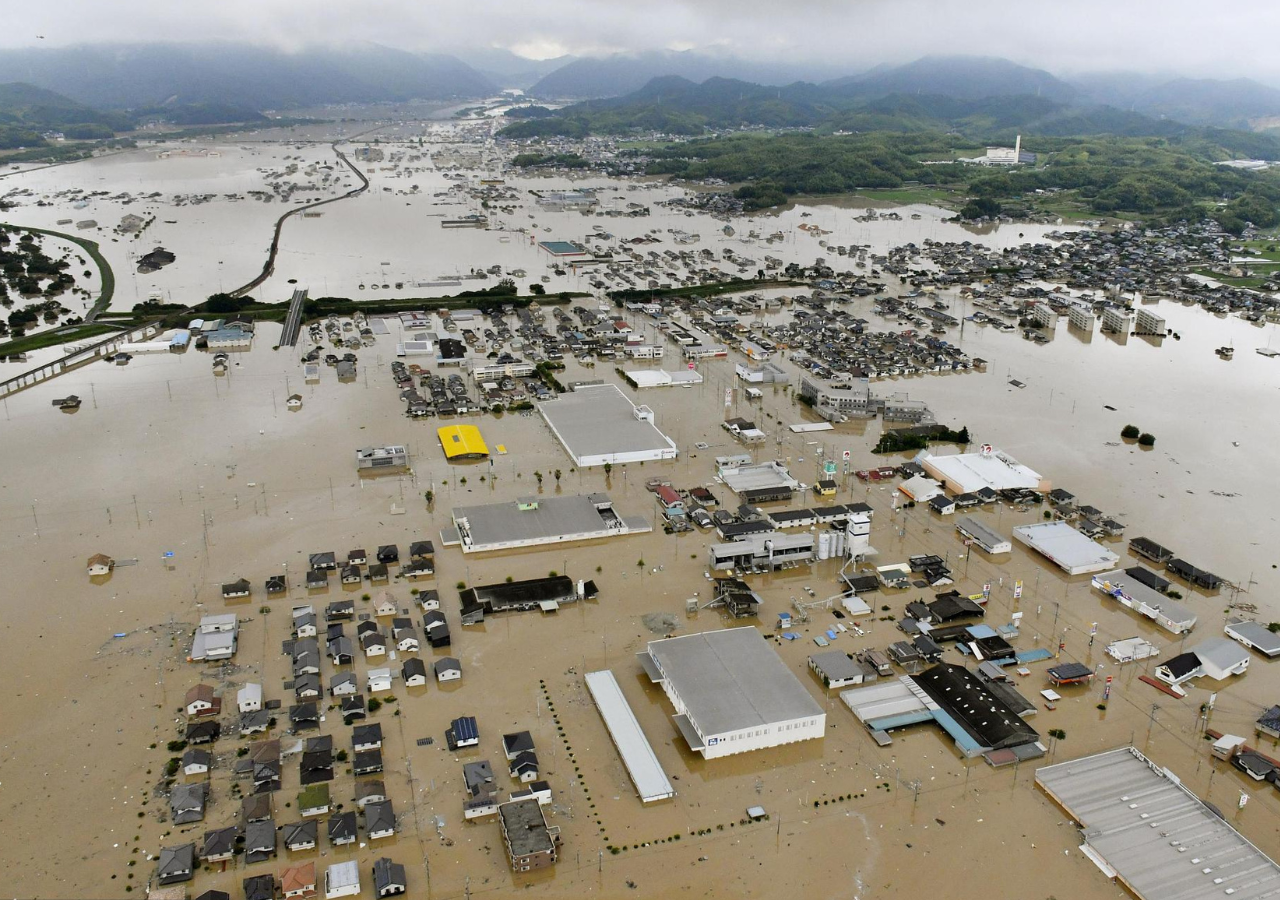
[731, 692]
[1143, 827]
[597, 424]
[1254, 636]
[1067, 548]
[462, 442]
[986, 538]
[637, 754]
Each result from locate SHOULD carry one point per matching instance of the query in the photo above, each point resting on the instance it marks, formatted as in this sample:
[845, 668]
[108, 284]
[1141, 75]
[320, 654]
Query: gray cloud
[1062, 35]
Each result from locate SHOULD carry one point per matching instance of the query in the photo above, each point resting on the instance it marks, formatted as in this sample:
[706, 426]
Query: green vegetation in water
[919, 439]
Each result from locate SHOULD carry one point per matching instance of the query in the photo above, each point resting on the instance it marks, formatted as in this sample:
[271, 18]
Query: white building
[966, 473]
[215, 638]
[342, 880]
[249, 698]
[732, 693]
[1009, 156]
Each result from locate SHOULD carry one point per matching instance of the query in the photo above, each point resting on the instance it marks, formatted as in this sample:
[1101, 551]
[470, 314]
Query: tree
[608, 468]
[1129, 432]
[1146, 439]
[537, 289]
[224, 303]
[557, 474]
[981, 208]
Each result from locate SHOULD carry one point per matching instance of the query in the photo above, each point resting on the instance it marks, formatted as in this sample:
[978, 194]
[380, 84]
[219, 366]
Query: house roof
[175, 860]
[220, 841]
[413, 666]
[201, 693]
[387, 874]
[1220, 652]
[256, 806]
[379, 815]
[260, 887]
[367, 734]
[464, 728]
[298, 878]
[342, 826]
[447, 663]
[517, 742]
[1181, 665]
[301, 832]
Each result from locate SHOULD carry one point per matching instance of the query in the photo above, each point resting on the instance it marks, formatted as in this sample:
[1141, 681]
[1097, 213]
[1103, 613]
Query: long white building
[732, 693]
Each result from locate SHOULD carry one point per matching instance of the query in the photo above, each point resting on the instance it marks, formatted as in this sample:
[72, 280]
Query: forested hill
[677, 106]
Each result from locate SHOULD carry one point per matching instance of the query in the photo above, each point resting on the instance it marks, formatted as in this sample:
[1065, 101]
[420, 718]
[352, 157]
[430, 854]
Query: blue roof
[963, 739]
[900, 720]
[977, 632]
[1036, 655]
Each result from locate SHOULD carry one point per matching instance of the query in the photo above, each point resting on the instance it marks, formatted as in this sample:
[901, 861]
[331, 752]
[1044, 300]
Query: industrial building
[533, 521]
[1131, 592]
[1067, 548]
[765, 552]
[1141, 826]
[597, 424]
[637, 754]
[462, 442]
[979, 721]
[968, 473]
[732, 693]
[392, 456]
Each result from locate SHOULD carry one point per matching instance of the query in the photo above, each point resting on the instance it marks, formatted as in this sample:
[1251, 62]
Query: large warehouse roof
[1141, 825]
[1066, 547]
[597, 424]
[969, 472]
[732, 680]
[462, 442]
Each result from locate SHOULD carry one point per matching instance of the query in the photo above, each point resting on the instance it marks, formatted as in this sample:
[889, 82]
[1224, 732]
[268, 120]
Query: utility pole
[1151, 721]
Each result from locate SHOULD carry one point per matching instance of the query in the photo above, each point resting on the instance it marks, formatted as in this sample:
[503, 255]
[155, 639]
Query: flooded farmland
[164, 457]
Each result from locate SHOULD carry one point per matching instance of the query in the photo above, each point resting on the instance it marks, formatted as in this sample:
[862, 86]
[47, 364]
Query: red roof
[667, 495]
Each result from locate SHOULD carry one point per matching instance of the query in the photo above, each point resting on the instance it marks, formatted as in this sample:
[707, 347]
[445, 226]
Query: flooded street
[166, 458]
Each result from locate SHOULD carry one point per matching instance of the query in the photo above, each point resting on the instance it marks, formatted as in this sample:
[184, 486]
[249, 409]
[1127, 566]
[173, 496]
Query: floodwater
[164, 457]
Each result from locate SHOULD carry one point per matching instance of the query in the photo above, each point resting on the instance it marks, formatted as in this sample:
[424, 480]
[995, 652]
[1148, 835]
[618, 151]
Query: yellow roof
[462, 441]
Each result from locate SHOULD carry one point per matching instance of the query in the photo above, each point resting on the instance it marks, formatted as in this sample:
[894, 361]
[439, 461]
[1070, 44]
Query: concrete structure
[746, 477]
[1008, 156]
[531, 842]
[983, 536]
[1115, 320]
[732, 693]
[1141, 826]
[389, 457]
[462, 442]
[1130, 592]
[533, 521]
[967, 473]
[597, 424]
[637, 754]
[1067, 548]
[1147, 322]
[1081, 317]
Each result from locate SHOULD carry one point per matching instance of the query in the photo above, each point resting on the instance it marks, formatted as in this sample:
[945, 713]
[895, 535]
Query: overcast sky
[1200, 38]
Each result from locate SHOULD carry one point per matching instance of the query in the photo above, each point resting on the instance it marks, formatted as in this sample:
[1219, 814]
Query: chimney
[1017, 150]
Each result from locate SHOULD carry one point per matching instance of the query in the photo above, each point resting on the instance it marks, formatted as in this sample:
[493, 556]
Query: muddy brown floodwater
[163, 457]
